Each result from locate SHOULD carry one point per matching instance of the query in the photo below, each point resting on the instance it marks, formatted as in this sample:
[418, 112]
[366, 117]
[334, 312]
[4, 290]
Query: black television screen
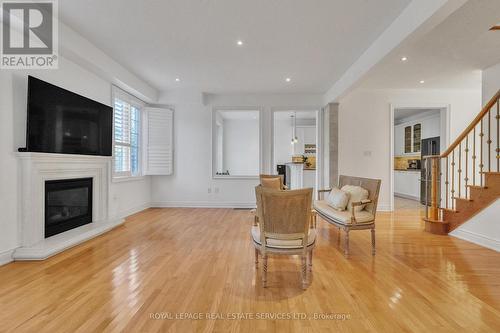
[60, 121]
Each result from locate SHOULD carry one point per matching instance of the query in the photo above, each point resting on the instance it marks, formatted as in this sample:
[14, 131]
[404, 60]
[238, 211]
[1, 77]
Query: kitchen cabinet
[407, 183]
[415, 130]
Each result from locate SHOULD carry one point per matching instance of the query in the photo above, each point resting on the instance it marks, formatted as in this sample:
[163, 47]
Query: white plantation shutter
[127, 132]
[159, 142]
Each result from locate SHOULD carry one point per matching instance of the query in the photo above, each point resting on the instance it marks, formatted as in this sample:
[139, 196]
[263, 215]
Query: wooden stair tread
[490, 172]
[459, 198]
[478, 187]
[448, 210]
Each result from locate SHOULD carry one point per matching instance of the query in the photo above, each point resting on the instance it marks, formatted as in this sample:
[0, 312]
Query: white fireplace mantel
[36, 169]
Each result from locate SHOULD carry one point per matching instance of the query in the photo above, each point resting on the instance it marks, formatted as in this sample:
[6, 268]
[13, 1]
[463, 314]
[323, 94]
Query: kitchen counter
[407, 183]
[408, 170]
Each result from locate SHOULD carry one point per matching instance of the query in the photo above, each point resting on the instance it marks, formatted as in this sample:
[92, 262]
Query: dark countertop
[408, 170]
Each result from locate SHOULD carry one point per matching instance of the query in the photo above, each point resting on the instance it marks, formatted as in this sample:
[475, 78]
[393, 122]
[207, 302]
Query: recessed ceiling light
[422, 81]
[288, 79]
[239, 42]
[404, 58]
[177, 79]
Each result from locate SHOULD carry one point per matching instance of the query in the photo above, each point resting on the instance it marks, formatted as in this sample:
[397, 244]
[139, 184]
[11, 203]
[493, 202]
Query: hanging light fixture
[294, 129]
[295, 139]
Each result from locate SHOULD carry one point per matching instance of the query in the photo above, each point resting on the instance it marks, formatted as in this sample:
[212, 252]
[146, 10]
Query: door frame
[445, 131]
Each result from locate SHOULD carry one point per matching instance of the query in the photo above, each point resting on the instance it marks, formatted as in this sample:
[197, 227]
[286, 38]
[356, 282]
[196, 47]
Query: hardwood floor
[186, 261]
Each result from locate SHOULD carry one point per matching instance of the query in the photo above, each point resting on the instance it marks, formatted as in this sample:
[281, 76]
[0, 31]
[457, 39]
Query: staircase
[465, 179]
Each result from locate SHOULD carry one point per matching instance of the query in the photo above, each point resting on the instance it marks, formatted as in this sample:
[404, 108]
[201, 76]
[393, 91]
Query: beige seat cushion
[338, 199]
[274, 182]
[356, 194]
[343, 217]
[283, 244]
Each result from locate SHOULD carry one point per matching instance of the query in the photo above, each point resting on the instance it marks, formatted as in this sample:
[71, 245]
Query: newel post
[434, 209]
[433, 223]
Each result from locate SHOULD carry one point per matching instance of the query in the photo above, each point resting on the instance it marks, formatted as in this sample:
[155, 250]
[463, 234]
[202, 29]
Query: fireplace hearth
[68, 204]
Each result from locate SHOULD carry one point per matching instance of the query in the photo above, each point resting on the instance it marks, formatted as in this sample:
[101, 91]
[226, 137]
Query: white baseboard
[125, 213]
[222, 204]
[406, 196]
[202, 204]
[6, 257]
[478, 239]
[384, 208]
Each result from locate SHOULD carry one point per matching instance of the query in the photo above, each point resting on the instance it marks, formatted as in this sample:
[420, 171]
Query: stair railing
[463, 164]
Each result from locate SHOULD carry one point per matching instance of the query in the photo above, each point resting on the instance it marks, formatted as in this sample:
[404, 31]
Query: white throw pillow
[337, 199]
[357, 193]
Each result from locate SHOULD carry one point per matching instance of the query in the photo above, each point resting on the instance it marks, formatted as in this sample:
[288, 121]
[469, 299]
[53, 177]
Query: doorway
[296, 147]
[415, 132]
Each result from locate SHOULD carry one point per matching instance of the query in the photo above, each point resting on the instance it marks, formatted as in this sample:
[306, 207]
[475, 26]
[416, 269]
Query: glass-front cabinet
[417, 137]
[408, 139]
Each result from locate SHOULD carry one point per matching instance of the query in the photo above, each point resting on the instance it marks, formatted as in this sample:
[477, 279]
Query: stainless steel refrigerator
[429, 146]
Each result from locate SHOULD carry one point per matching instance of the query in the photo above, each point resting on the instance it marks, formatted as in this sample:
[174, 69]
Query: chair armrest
[355, 204]
[323, 191]
[361, 203]
[255, 217]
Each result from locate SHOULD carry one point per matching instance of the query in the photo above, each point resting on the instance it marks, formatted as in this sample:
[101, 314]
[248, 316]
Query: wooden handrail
[469, 128]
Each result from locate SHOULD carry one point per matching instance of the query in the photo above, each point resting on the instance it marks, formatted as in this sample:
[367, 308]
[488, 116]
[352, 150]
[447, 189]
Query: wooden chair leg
[346, 249]
[310, 260]
[264, 271]
[304, 271]
[373, 241]
[256, 258]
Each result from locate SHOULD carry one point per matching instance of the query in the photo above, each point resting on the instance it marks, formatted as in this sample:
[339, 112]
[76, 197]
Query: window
[127, 125]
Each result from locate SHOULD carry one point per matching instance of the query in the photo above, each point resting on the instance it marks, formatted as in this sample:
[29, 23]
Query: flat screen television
[60, 121]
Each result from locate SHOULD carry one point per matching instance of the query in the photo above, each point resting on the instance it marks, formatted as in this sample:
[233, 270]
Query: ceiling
[298, 114]
[311, 42]
[404, 113]
[239, 114]
[451, 55]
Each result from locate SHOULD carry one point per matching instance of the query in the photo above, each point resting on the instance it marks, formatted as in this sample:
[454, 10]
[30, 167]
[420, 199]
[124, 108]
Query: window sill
[127, 179]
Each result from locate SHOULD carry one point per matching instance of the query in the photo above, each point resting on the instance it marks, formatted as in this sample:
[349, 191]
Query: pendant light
[294, 129]
[295, 138]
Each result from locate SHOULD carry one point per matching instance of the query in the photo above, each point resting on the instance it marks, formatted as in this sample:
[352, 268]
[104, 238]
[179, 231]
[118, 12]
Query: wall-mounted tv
[60, 121]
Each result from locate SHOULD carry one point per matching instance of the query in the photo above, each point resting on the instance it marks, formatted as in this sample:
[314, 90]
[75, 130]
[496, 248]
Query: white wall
[125, 197]
[192, 178]
[491, 82]
[8, 176]
[483, 229]
[241, 146]
[283, 148]
[364, 127]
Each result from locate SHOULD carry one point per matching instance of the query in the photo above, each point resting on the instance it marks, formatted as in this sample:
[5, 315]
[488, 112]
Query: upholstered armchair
[353, 218]
[284, 227]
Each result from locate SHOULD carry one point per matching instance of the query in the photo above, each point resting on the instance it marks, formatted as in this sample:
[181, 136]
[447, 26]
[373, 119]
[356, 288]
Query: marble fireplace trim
[36, 168]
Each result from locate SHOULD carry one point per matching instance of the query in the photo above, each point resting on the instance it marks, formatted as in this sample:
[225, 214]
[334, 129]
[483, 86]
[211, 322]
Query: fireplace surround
[40, 169]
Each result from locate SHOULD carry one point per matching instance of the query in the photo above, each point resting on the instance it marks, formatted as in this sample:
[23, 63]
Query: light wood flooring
[179, 262]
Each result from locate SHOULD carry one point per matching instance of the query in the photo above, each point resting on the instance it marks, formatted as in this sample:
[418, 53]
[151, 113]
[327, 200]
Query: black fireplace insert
[68, 205]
